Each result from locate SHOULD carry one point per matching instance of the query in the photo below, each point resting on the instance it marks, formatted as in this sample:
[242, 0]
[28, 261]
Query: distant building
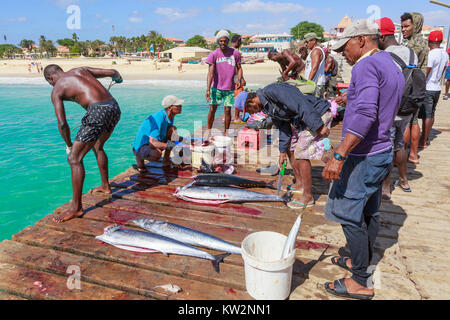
[175, 40]
[328, 36]
[185, 52]
[62, 51]
[210, 40]
[263, 43]
[345, 22]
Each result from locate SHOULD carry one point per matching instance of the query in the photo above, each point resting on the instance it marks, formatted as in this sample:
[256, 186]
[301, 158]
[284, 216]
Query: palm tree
[75, 37]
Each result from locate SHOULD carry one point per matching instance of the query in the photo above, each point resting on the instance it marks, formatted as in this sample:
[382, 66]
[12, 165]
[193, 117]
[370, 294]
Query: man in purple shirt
[223, 64]
[364, 159]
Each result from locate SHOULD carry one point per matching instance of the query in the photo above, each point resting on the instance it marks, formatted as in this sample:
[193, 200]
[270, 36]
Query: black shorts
[100, 117]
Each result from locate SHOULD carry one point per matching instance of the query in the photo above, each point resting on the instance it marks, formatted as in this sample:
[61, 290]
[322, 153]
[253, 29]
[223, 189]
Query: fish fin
[270, 185]
[219, 259]
[287, 197]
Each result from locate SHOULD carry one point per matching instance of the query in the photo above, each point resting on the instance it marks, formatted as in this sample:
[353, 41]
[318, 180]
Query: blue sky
[183, 18]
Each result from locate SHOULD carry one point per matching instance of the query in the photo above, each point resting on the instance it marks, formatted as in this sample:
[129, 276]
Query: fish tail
[217, 260]
[270, 185]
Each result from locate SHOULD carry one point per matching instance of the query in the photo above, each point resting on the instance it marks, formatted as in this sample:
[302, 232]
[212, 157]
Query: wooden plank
[113, 275]
[6, 296]
[81, 244]
[35, 284]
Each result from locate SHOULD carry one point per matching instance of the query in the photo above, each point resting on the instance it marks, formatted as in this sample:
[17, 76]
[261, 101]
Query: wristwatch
[339, 157]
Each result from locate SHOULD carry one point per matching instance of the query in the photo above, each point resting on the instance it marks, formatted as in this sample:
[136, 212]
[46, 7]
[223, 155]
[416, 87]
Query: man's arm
[240, 74]
[292, 64]
[60, 112]
[104, 73]
[316, 58]
[157, 144]
[333, 168]
[209, 82]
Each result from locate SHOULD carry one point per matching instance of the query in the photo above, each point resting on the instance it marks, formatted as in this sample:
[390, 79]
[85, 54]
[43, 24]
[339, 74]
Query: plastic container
[267, 277]
[222, 142]
[223, 147]
[202, 152]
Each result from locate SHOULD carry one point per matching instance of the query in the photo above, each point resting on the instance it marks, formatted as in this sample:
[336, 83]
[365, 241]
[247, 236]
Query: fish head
[145, 223]
[111, 229]
[177, 191]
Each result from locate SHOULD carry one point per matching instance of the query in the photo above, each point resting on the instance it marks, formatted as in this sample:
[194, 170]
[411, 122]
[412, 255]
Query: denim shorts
[428, 109]
[398, 131]
[358, 193]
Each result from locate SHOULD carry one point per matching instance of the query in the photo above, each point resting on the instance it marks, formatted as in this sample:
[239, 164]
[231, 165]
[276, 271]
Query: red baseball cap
[436, 36]
[387, 27]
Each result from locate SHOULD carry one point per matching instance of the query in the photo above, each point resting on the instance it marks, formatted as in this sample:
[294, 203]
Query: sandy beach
[261, 73]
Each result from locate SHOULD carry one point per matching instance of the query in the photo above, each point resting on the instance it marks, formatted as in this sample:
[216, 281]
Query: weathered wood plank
[113, 275]
[35, 284]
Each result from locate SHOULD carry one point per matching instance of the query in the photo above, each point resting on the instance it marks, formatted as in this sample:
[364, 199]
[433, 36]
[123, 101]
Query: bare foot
[308, 200]
[348, 262]
[355, 288]
[68, 215]
[101, 189]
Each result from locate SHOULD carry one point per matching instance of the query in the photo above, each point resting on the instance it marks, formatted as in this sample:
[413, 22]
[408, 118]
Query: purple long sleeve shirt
[373, 101]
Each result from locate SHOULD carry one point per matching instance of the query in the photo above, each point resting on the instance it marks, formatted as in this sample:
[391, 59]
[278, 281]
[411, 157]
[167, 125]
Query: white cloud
[279, 26]
[135, 18]
[172, 14]
[19, 19]
[437, 18]
[64, 3]
[259, 5]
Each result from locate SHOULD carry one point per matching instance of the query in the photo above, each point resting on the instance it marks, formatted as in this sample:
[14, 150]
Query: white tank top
[319, 78]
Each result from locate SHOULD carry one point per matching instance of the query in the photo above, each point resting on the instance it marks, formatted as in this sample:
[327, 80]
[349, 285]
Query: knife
[280, 178]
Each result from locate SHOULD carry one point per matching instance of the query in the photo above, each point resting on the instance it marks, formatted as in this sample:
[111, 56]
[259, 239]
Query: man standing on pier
[223, 63]
[315, 64]
[80, 85]
[364, 158]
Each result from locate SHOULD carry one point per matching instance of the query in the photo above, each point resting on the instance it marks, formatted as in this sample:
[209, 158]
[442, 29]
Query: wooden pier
[412, 246]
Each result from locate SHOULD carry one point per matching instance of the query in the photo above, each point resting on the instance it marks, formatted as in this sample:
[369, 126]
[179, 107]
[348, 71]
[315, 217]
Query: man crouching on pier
[155, 135]
[80, 85]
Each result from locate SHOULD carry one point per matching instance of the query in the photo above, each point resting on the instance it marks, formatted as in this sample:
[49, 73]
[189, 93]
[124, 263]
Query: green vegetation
[8, 50]
[197, 41]
[305, 27]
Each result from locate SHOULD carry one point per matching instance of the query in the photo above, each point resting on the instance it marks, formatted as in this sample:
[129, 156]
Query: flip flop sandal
[407, 190]
[294, 191]
[341, 262]
[140, 170]
[340, 290]
[298, 205]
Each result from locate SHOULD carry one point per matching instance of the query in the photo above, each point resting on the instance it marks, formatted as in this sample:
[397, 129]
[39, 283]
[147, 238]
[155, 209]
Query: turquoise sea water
[34, 173]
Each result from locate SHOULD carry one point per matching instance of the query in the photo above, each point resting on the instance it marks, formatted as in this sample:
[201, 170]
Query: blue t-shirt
[155, 126]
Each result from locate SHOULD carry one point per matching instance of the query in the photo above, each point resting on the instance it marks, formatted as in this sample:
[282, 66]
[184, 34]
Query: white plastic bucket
[222, 142]
[202, 152]
[267, 276]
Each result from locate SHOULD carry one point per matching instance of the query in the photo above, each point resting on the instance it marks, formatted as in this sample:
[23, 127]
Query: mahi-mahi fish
[227, 180]
[146, 242]
[187, 235]
[211, 195]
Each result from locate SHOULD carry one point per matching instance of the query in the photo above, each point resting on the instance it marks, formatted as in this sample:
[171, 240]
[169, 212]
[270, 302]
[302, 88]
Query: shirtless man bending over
[291, 64]
[80, 85]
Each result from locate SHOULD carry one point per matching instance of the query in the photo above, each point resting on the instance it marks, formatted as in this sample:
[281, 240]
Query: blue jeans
[354, 202]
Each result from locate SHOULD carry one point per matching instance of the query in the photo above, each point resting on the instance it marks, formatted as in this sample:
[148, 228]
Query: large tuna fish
[138, 241]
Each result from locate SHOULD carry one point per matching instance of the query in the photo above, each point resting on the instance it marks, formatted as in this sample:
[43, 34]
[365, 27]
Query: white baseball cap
[171, 101]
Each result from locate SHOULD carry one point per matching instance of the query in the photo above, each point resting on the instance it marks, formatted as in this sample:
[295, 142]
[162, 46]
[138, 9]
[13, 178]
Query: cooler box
[249, 139]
